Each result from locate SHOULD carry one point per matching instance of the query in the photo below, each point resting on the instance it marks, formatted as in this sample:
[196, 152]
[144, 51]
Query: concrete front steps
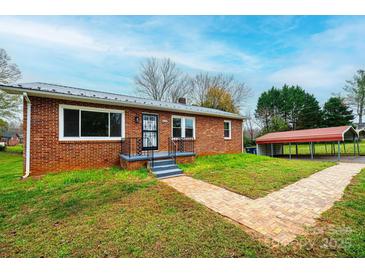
[165, 168]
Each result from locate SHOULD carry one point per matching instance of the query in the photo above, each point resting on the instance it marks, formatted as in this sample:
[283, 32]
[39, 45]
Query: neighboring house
[11, 138]
[73, 128]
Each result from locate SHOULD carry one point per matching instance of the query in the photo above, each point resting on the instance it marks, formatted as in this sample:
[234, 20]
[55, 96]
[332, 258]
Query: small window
[183, 127]
[227, 129]
[176, 127]
[189, 128]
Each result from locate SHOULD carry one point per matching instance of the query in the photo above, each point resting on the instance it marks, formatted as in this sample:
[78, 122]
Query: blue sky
[104, 52]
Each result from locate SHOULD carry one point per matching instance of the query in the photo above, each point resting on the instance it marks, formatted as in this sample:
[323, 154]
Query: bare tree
[249, 125]
[160, 80]
[182, 89]
[9, 73]
[356, 93]
[203, 82]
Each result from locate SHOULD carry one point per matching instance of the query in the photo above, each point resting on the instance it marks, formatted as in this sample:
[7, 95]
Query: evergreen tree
[336, 113]
[311, 114]
[268, 106]
[296, 108]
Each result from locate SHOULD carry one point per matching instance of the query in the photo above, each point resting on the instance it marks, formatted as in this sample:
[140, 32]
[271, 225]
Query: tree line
[161, 79]
[278, 109]
[292, 108]
[9, 104]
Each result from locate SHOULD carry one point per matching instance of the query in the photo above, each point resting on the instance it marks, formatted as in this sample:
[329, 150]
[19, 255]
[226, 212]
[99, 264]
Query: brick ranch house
[68, 128]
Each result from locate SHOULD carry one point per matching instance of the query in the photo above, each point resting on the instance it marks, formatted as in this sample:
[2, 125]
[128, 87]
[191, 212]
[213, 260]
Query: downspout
[27, 145]
[242, 138]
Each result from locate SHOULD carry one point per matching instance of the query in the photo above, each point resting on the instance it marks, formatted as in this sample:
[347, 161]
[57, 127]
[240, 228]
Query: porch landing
[157, 156]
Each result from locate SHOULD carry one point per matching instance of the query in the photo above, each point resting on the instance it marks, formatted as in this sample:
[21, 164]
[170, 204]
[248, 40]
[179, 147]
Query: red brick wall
[48, 154]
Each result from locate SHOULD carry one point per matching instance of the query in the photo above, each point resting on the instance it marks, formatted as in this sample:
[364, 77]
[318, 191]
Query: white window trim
[230, 129]
[107, 110]
[182, 126]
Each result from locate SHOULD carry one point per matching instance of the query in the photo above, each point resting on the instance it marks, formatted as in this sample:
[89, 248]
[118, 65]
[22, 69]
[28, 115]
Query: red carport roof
[328, 134]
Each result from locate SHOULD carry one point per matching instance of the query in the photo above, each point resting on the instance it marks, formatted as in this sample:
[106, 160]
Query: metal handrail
[172, 149]
[133, 146]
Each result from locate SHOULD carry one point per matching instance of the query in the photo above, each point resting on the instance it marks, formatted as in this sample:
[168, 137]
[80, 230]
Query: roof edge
[264, 139]
[57, 95]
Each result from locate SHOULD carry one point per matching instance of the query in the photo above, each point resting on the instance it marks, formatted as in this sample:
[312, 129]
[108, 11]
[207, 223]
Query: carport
[272, 144]
[361, 133]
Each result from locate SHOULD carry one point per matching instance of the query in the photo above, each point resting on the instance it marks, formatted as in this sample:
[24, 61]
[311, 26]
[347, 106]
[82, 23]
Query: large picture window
[183, 127]
[84, 123]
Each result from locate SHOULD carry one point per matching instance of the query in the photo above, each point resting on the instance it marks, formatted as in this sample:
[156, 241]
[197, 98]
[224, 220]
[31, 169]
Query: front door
[150, 131]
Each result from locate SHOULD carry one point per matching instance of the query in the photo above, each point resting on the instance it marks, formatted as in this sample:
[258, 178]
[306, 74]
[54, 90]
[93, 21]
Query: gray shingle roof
[44, 89]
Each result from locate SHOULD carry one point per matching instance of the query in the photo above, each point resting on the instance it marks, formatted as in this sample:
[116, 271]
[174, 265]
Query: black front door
[150, 131]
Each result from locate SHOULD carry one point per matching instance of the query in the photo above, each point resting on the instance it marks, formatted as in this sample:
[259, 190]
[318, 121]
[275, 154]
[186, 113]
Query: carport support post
[296, 149]
[339, 150]
[289, 150]
[311, 149]
[272, 150]
[358, 147]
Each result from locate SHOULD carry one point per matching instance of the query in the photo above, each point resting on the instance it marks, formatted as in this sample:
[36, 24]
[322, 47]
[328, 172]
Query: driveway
[281, 215]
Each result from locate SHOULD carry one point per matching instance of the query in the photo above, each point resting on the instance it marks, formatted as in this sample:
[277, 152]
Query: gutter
[27, 145]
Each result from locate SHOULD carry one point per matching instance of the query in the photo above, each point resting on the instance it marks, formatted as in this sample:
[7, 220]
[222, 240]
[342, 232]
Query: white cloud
[325, 60]
[320, 63]
[188, 47]
[47, 33]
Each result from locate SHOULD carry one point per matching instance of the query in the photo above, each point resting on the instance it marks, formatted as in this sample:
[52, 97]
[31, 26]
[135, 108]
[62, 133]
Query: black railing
[152, 157]
[132, 146]
[180, 145]
[172, 149]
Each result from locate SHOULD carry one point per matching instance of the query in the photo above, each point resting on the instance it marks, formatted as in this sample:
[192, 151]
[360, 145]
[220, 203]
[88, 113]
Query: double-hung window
[227, 130]
[85, 123]
[183, 127]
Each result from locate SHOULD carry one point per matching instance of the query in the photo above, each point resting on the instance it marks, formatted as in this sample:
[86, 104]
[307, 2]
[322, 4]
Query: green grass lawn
[251, 175]
[116, 213]
[325, 149]
[109, 213]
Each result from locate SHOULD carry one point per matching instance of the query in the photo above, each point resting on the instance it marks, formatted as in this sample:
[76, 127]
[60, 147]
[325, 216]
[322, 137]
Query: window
[189, 128]
[71, 122]
[183, 127]
[227, 129]
[84, 123]
[176, 127]
[94, 124]
[115, 124]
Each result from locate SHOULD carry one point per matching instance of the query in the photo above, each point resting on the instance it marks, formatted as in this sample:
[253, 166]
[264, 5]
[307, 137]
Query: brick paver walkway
[281, 215]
